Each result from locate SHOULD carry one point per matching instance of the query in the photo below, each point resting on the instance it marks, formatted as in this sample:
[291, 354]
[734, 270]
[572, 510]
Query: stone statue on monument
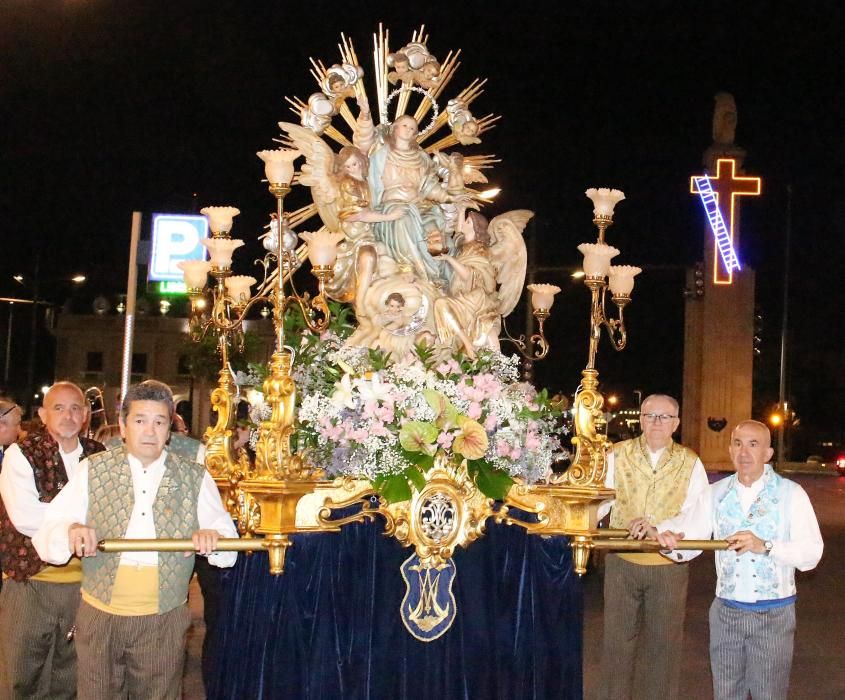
[724, 133]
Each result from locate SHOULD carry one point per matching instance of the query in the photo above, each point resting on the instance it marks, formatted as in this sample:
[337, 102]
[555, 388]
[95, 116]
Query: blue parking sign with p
[176, 237]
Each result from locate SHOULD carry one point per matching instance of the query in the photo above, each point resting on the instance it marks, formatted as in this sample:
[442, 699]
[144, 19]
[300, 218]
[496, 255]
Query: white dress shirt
[17, 487]
[694, 518]
[71, 506]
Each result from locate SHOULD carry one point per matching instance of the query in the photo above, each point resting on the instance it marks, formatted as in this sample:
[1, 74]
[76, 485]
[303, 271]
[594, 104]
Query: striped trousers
[131, 656]
[36, 658]
[644, 609]
[751, 652]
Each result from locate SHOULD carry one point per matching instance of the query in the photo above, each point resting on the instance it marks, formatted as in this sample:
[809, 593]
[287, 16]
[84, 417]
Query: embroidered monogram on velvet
[752, 577]
[656, 493]
[111, 499]
[20, 560]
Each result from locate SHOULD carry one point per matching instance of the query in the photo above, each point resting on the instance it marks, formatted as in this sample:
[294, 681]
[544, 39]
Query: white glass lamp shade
[220, 250]
[322, 246]
[195, 272]
[622, 279]
[542, 295]
[238, 288]
[220, 218]
[278, 164]
[597, 258]
[604, 200]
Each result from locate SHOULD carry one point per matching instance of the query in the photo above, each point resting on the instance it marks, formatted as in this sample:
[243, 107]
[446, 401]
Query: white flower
[372, 389]
[344, 393]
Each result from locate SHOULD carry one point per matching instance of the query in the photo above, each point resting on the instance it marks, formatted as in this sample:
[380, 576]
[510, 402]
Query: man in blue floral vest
[133, 618]
[772, 530]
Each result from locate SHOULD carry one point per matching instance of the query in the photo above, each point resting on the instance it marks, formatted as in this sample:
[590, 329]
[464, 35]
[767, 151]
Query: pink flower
[358, 435]
[384, 413]
[474, 410]
[491, 422]
[379, 430]
[516, 453]
[370, 408]
[449, 367]
[532, 441]
[502, 448]
[445, 440]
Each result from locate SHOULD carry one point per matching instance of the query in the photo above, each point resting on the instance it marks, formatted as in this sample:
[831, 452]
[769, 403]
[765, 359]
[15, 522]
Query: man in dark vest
[38, 602]
[133, 618]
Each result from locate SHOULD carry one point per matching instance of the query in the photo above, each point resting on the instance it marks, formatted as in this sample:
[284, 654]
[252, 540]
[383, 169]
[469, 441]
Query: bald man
[772, 531]
[38, 602]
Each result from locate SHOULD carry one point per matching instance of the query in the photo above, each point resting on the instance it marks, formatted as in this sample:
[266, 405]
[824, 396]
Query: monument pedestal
[718, 365]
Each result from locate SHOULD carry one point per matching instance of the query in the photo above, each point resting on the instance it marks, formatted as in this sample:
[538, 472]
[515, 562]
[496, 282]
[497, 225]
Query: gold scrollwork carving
[449, 511]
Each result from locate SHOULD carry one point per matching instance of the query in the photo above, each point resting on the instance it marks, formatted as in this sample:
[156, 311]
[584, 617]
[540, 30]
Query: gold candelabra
[591, 444]
[263, 497]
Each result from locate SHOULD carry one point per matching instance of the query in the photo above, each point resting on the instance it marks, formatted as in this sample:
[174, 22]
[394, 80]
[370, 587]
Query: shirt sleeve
[212, 515]
[803, 549]
[606, 506]
[694, 519]
[68, 507]
[20, 496]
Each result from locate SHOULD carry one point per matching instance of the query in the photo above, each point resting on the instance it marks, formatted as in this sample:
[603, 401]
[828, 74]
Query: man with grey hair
[662, 493]
[38, 602]
[133, 618]
[772, 530]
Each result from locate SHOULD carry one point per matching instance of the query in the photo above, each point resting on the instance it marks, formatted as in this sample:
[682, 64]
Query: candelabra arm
[537, 347]
[616, 326]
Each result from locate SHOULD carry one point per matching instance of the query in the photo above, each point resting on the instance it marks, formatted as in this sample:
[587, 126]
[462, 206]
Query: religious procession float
[391, 395]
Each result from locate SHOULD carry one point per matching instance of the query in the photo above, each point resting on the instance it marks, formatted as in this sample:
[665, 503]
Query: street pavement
[817, 671]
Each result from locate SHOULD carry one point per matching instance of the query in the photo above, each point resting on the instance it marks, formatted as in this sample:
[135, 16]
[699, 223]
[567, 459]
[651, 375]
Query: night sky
[109, 106]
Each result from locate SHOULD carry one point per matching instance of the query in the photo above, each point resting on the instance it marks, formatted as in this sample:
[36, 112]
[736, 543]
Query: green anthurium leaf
[415, 476]
[493, 483]
[394, 488]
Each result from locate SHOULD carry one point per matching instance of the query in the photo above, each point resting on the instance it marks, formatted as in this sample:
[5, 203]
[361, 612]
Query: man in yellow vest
[133, 618]
[662, 493]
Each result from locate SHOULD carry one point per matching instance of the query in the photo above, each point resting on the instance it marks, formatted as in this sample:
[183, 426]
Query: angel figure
[342, 196]
[491, 256]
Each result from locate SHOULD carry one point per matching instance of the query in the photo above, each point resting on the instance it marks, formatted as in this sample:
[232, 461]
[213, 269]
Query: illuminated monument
[719, 324]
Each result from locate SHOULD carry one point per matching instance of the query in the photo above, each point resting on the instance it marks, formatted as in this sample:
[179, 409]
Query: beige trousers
[131, 656]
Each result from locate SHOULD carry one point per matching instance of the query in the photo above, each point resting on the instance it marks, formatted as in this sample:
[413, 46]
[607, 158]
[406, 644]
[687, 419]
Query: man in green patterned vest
[662, 493]
[133, 619]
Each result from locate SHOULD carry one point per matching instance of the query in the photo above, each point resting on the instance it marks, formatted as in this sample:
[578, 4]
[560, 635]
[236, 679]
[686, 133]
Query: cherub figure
[413, 65]
[392, 318]
[464, 126]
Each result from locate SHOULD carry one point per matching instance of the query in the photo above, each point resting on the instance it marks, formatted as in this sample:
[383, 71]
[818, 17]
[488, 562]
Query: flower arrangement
[362, 415]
